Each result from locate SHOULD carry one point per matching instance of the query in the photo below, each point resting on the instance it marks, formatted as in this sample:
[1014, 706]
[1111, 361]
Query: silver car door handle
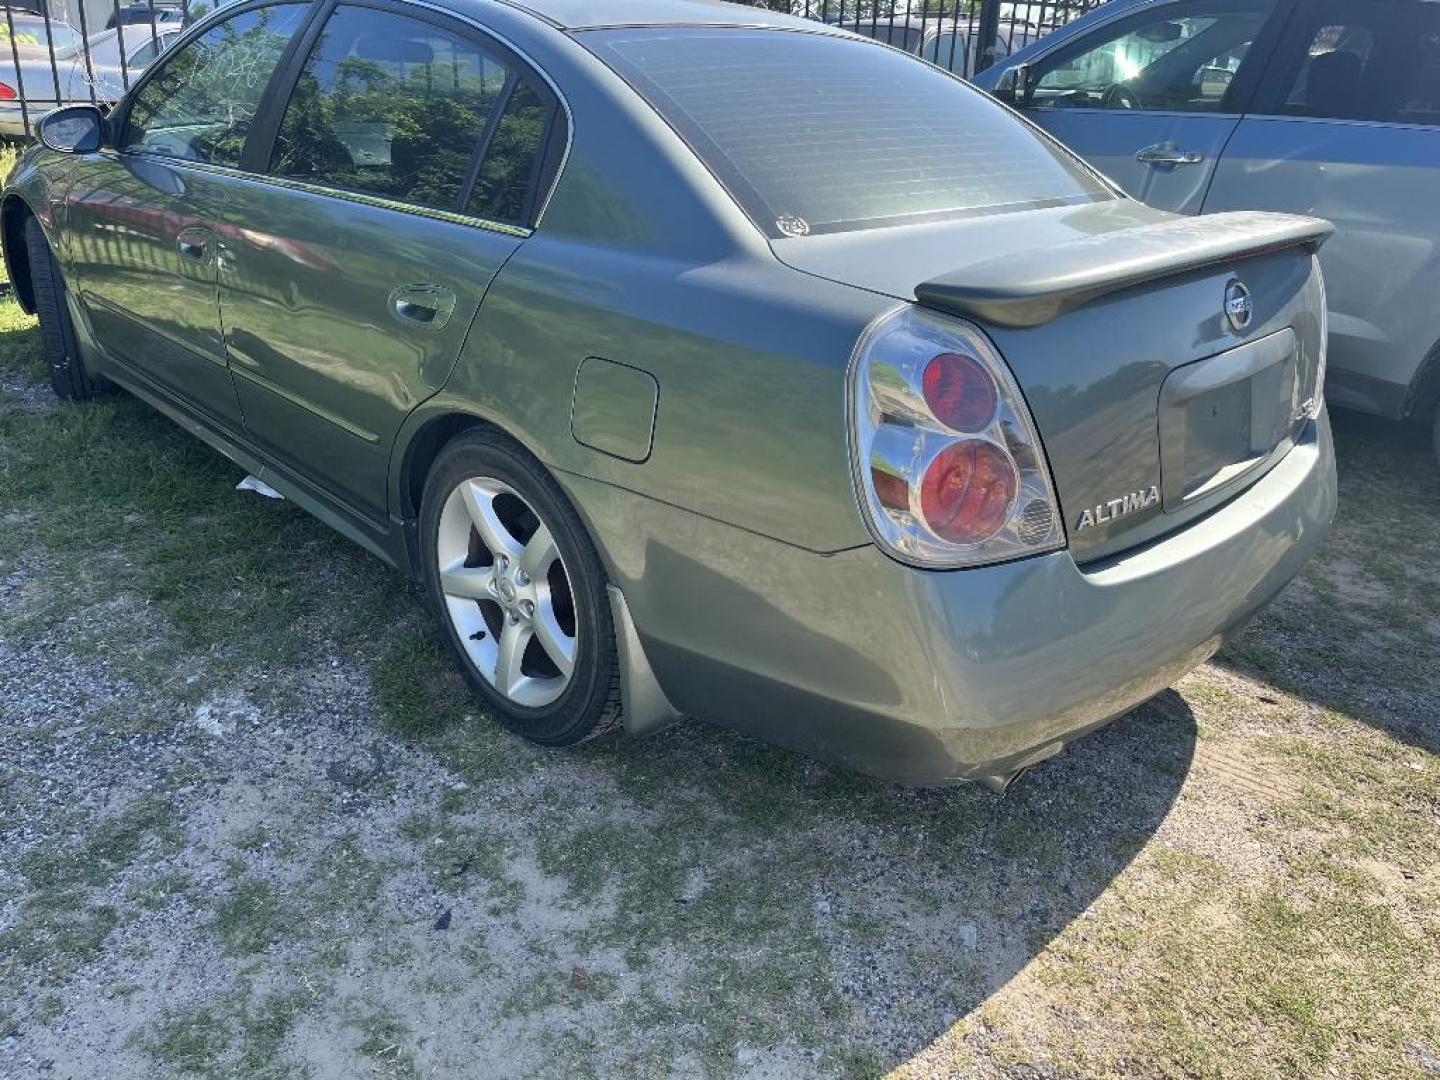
[427, 306]
[190, 247]
[1168, 154]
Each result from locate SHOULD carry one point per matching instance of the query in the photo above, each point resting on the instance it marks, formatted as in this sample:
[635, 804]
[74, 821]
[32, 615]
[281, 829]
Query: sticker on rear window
[792, 225]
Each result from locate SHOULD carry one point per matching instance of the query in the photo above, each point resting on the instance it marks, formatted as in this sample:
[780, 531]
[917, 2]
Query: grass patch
[108, 847]
[251, 919]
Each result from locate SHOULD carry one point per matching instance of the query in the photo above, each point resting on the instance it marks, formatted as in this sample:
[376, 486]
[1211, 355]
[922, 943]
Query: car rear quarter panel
[750, 361]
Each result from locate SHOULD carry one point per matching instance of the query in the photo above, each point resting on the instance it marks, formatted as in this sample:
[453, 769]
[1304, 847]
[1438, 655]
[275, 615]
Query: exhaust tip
[1001, 783]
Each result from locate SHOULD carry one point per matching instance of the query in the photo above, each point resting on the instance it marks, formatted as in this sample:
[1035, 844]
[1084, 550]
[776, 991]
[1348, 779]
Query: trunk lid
[1152, 406]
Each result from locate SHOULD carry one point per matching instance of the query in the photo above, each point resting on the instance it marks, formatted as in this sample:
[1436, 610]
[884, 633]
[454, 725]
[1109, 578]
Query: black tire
[589, 706]
[68, 376]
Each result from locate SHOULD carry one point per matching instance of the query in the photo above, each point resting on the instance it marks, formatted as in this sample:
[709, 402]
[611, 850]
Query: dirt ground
[251, 824]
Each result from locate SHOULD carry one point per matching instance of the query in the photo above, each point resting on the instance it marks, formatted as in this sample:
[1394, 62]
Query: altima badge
[1118, 508]
[1239, 308]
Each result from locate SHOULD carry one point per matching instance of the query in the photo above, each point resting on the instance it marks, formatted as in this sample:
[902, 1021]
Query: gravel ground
[252, 825]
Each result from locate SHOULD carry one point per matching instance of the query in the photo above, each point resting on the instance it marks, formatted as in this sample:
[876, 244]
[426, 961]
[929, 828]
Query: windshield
[817, 133]
[32, 33]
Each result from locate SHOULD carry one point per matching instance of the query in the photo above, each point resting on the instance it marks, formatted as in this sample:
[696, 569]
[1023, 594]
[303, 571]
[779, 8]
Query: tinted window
[507, 174]
[142, 54]
[397, 107]
[200, 103]
[1177, 58]
[1370, 60]
[814, 133]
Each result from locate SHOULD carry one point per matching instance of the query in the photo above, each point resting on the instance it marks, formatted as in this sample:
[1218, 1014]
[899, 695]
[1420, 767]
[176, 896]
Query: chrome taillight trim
[1317, 405]
[905, 536]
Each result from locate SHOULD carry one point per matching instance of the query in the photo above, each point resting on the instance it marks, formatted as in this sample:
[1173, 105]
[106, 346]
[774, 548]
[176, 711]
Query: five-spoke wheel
[520, 589]
[506, 591]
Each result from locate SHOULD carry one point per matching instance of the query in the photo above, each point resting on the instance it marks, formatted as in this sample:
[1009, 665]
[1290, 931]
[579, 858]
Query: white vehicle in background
[76, 74]
[949, 43]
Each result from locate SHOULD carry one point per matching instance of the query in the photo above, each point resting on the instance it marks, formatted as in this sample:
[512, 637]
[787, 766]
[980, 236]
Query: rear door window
[400, 108]
[1376, 60]
[815, 133]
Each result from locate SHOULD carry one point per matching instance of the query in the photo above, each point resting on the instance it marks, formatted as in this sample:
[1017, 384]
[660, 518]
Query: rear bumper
[13, 117]
[932, 677]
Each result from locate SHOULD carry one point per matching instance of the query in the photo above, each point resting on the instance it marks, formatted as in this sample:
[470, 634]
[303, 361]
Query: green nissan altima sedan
[701, 361]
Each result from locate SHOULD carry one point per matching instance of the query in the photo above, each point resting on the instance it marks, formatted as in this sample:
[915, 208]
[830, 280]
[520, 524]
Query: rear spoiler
[1031, 287]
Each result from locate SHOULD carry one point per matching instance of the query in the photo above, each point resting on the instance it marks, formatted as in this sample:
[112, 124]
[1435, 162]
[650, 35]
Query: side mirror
[1014, 85]
[78, 129]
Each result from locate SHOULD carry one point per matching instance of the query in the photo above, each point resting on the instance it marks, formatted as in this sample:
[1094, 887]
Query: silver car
[1327, 107]
[73, 72]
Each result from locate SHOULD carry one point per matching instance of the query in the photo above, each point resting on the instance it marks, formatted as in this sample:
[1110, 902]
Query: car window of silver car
[33, 34]
[1376, 60]
[200, 104]
[395, 107]
[1178, 57]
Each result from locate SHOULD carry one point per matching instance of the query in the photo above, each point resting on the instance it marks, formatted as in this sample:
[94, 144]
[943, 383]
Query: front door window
[1177, 58]
[199, 106]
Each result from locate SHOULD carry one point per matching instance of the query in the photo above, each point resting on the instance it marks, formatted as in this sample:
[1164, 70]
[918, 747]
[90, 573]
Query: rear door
[1347, 127]
[399, 176]
[1151, 99]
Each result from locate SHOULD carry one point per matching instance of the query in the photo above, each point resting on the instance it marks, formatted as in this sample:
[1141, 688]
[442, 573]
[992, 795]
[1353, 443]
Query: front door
[1151, 99]
[143, 213]
[1347, 128]
[398, 183]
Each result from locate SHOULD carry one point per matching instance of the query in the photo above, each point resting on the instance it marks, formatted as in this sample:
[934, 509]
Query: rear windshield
[813, 133]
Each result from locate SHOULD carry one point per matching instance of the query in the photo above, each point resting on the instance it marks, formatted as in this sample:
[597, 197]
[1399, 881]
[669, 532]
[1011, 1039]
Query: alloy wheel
[507, 591]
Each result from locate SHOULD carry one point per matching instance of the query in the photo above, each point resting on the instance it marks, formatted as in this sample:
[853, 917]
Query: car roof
[588, 15]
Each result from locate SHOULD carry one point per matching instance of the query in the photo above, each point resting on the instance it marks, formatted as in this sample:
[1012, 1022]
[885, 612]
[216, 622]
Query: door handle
[1167, 154]
[193, 245]
[427, 307]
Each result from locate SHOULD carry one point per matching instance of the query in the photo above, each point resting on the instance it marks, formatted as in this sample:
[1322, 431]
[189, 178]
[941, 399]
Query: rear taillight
[961, 394]
[947, 460]
[7, 92]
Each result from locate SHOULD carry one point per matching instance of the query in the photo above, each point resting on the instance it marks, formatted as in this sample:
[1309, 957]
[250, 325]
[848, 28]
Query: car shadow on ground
[1359, 632]
[925, 902]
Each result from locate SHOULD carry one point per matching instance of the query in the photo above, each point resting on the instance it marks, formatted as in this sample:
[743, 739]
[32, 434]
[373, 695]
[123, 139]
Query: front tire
[58, 343]
[520, 592]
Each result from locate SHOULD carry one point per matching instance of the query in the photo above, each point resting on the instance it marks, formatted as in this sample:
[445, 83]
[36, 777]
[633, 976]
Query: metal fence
[964, 36]
[72, 52]
[68, 52]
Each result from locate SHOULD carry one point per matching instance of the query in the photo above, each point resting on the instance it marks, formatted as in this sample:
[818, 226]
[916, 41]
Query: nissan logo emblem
[1239, 308]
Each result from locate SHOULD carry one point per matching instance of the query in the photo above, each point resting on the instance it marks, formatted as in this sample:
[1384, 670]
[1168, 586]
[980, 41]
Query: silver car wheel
[507, 591]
